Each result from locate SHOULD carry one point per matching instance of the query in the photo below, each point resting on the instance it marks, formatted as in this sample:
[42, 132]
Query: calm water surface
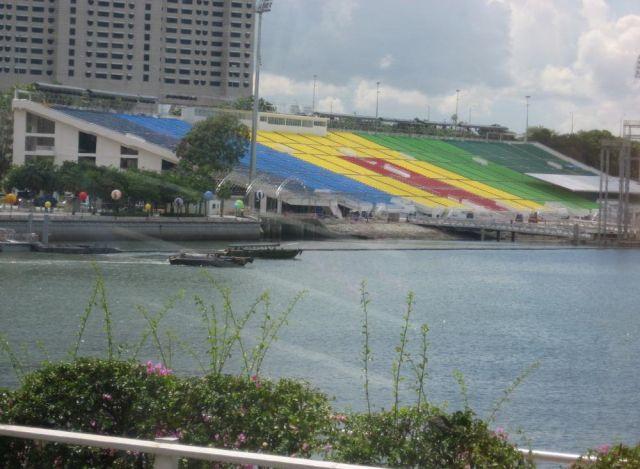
[492, 313]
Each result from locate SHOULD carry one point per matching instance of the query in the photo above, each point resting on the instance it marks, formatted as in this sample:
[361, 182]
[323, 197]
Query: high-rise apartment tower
[180, 51]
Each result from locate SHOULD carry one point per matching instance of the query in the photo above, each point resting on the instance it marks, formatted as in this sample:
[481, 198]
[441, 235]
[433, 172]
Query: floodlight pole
[263, 6]
[457, 102]
[313, 105]
[526, 125]
[377, 97]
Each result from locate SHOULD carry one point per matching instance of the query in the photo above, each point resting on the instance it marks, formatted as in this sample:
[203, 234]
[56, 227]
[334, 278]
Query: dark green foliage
[246, 104]
[583, 146]
[6, 132]
[213, 145]
[286, 417]
[132, 400]
[89, 395]
[35, 176]
[423, 437]
[138, 186]
[224, 192]
[611, 457]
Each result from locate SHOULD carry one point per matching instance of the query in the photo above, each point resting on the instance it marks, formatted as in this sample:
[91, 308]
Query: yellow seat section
[435, 172]
[322, 152]
[402, 189]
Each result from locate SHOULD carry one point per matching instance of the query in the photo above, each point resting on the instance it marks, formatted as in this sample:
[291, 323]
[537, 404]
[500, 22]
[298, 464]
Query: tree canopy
[246, 104]
[6, 131]
[34, 176]
[583, 146]
[213, 145]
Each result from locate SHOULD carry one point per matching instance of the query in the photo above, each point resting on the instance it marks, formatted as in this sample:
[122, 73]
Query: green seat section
[488, 170]
[523, 158]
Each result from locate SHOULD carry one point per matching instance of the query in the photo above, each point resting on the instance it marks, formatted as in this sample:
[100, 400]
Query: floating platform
[21, 246]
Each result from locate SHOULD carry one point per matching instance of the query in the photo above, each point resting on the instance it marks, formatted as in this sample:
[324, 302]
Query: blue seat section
[315, 178]
[174, 128]
[126, 126]
[168, 133]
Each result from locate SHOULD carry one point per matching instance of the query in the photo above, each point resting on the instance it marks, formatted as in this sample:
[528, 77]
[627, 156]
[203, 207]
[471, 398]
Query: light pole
[457, 102]
[526, 124]
[377, 97]
[428, 112]
[263, 6]
[571, 122]
[313, 105]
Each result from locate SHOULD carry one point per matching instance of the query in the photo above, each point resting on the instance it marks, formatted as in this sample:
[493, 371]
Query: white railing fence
[167, 451]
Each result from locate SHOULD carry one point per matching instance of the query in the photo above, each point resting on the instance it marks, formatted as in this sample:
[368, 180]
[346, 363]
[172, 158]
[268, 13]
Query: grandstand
[482, 167]
[433, 176]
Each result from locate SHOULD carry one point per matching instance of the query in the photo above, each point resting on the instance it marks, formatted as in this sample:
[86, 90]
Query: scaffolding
[608, 207]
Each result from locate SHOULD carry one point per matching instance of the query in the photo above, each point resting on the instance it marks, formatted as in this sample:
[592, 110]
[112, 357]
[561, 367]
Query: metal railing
[167, 451]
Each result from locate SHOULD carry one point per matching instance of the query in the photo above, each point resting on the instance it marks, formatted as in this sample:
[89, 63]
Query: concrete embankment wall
[62, 228]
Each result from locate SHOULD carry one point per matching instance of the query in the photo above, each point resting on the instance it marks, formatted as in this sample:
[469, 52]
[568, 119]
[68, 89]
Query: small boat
[73, 249]
[263, 251]
[209, 260]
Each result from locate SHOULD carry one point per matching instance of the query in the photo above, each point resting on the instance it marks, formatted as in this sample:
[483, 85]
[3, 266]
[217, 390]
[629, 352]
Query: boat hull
[210, 261]
[266, 253]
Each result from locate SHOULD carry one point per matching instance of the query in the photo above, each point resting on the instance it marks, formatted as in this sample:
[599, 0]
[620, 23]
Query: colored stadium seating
[329, 153]
[482, 170]
[520, 158]
[168, 132]
[377, 168]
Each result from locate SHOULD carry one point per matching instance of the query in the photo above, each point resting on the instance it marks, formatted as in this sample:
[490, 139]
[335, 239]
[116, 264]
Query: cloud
[569, 55]
[386, 61]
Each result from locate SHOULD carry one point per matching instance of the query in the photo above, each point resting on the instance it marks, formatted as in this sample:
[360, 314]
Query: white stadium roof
[584, 183]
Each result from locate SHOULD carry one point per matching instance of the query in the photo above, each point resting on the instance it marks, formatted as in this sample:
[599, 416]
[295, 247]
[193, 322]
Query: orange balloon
[11, 199]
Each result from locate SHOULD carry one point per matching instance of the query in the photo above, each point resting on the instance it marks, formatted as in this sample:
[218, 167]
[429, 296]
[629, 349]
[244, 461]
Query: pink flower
[92, 423]
[240, 440]
[305, 446]
[328, 448]
[107, 397]
[603, 449]
[501, 434]
[157, 369]
[339, 417]
[256, 381]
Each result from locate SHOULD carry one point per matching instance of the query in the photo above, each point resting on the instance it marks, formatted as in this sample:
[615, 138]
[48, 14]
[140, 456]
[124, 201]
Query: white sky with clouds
[569, 55]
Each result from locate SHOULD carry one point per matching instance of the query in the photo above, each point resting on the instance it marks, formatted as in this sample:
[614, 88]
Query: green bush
[422, 437]
[611, 457]
[286, 417]
[136, 401]
[89, 395]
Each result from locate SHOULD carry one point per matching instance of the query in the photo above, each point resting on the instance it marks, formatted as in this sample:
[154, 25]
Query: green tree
[583, 146]
[6, 132]
[37, 176]
[246, 104]
[215, 144]
[224, 192]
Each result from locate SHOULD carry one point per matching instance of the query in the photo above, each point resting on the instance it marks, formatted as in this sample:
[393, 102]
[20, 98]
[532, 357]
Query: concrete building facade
[44, 133]
[181, 51]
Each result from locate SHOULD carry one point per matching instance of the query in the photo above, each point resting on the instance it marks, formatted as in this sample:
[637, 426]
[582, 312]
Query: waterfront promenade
[86, 227]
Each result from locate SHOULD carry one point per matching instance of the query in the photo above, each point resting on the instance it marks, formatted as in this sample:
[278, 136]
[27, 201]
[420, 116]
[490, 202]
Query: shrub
[611, 457]
[136, 401]
[89, 395]
[286, 417]
[422, 437]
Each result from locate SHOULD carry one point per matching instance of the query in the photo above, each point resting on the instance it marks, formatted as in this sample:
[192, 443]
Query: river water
[492, 313]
